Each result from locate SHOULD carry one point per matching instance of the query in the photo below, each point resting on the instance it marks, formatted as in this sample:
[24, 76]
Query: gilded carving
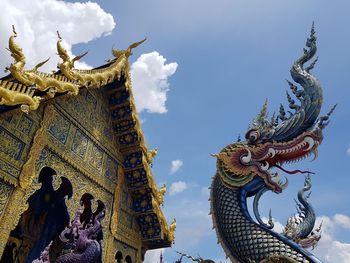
[60, 128]
[117, 201]
[40, 140]
[118, 230]
[25, 124]
[41, 81]
[80, 143]
[70, 82]
[16, 94]
[10, 145]
[128, 52]
[89, 78]
[151, 154]
[99, 124]
[111, 169]
[95, 157]
[10, 173]
[5, 191]
[171, 231]
[161, 193]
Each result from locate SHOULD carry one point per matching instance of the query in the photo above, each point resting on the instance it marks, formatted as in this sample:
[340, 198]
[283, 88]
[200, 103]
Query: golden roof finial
[172, 229]
[151, 154]
[14, 30]
[59, 36]
[16, 51]
[161, 193]
[63, 54]
[128, 52]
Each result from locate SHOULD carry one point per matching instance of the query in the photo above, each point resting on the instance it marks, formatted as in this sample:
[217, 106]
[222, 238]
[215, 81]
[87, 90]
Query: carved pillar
[116, 203]
[17, 203]
[111, 248]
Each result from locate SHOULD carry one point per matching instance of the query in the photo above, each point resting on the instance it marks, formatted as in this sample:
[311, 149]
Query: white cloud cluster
[329, 249]
[342, 220]
[153, 256]
[177, 187]
[37, 21]
[150, 75]
[348, 150]
[191, 217]
[175, 166]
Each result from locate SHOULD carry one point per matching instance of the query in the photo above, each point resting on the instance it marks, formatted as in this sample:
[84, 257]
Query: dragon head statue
[271, 142]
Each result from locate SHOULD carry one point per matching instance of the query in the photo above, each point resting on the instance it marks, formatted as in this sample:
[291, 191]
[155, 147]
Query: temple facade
[72, 140]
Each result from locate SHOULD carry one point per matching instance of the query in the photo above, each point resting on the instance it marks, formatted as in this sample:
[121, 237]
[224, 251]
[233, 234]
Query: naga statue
[248, 169]
[79, 242]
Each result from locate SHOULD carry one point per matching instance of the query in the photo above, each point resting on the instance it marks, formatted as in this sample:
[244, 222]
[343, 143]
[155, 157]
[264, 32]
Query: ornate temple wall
[74, 136]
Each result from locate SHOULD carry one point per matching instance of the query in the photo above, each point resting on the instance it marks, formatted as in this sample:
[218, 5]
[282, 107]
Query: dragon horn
[324, 120]
[311, 96]
[312, 65]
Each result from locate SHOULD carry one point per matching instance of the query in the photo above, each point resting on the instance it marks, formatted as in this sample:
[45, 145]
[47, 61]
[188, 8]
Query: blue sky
[231, 55]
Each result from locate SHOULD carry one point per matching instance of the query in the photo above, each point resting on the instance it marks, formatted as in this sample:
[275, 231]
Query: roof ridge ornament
[68, 80]
[128, 52]
[63, 54]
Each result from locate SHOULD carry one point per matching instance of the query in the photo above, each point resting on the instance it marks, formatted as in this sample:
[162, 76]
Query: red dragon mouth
[275, 154]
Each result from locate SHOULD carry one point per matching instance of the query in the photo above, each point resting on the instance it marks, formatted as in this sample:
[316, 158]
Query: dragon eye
[253, 135]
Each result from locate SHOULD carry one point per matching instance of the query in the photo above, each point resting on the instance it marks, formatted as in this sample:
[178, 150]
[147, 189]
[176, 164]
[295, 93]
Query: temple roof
[27, 89]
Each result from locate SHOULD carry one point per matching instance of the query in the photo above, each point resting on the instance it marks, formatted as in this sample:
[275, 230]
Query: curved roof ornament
[128, 52]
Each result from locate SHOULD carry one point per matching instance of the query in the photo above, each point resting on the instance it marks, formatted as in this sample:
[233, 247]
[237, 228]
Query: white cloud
[175, 166]
[348, 150]
[150, 75]
[329, 249]
[37, 21]
[342, 220]
[278, 227]
[177, 187]
[153, 256]
[191, 217]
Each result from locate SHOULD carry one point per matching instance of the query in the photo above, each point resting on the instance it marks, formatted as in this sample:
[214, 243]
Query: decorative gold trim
[116, 204]
[114, 223]
[145, 162]
[15, 93]
[117, 155]
[150, 155]
[40, 140]
[89, 78]
[171, 231]
[160, 194]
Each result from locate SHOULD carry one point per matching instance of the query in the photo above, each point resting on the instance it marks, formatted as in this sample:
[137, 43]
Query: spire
[261, 120]
[282, 115]
[263, 113]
